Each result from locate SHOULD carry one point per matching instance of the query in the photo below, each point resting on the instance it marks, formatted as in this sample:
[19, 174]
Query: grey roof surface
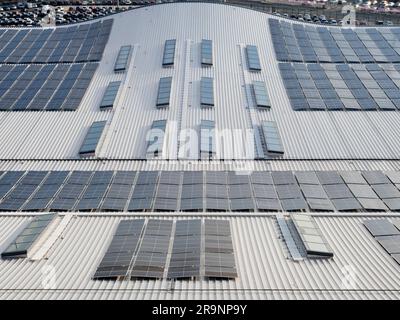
[62, 264]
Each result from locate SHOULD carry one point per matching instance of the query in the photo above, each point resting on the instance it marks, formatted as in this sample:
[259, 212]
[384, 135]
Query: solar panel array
[110, 94]
[341, 86]
[306, 43]
[197, 191]
[20, 246]
[49, 69]
[92, 139]
[60, 45]
[387, 234]
[142, 249]
[58, 87]
[123, 58]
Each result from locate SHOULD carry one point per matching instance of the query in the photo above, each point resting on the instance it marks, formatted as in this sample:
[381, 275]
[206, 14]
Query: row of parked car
[322, 19]
[31, 15]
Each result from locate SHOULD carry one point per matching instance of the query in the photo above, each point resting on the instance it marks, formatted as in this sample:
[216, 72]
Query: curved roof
[305, 135]
[319, 140]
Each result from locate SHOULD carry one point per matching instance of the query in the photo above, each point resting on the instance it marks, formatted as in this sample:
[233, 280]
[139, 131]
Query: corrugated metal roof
[360, 269]
[305, 135]
[312, 141]
[276, 165]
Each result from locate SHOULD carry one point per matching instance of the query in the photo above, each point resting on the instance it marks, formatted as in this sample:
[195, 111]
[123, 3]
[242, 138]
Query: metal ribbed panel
[305, 135]
[263, 269]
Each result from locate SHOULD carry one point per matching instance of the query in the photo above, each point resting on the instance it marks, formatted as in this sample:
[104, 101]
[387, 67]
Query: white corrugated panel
[305, 135]
[360, 269]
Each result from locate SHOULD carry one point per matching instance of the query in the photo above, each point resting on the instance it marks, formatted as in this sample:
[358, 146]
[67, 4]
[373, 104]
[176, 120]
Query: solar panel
[123, 58]
[272, 137]
[207, 139]
[147, 177]
[237, 178]
[150, 259]
[352, 177]
[36, 204]
[192, 191]
[268, 204]
[393, 204]
[144, 191]
[155, 139]
[261, 95]
[12, 204]
[140, 204]
[169, 53]
[338, 191]
[186, 252]
[216, 177]
[216, 191]
[20, 246]
[347, 204]
[206, 53]
[307, 177]
[290, 191]
[311, 236]
[219, 256]
[283, 178]
[206, 92]
[63, 204]
[329, 177]
[375, 177]
[92, 139]
[119, 255]
[386, 191]
[390, 243]
[372, 204]
[217, 204]
[168, 191]
[113, 204]
[119, 191]
[294, 204]
[362, 191]
[192, 204]
[394, 176]
[253, 61]
[164, 92]
[192, 177]
[165, 204]
[261, 177]
[79, 177]
[313, 191]
[110, 94]
[320, 204]
[124, 177]
[242, 204]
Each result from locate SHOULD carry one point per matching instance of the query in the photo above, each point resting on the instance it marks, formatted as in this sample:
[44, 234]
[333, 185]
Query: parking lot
[68, 12]
[32, 14]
